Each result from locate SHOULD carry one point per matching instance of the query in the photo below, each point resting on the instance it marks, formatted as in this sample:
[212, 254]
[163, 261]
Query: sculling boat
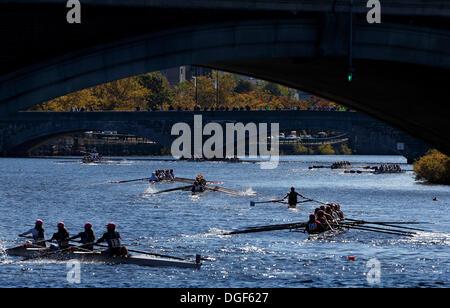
[97, 256]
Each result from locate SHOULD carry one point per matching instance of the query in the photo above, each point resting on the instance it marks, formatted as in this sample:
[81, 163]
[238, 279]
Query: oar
[128, 181]
[387, 224]
[192, 181]
[172, 189]
[35, 243]
[364, 228]
[268, 228]
[151, 254]
[377, 228]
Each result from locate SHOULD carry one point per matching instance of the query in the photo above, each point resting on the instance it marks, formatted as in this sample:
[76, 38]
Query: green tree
[244, 86]
[160, 92]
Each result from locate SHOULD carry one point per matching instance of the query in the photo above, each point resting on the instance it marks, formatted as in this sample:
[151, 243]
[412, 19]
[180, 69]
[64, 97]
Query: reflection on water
[183, 225]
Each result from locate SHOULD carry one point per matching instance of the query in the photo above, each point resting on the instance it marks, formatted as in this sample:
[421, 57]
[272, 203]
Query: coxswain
[112, 238]
[314, 226]
[292, 197]
[61, 237]
[87, 236]
[37, 234]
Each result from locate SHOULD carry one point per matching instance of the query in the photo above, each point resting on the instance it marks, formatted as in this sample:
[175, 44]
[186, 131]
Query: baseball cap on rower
[111, 225]
[61, 224]
[88, 225]
[39, 222]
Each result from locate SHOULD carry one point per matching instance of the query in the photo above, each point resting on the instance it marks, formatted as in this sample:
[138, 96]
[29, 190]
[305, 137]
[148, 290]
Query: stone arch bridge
[24, 131]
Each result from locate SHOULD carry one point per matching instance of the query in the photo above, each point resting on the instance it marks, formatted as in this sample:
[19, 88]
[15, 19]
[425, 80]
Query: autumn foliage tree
[152, 90]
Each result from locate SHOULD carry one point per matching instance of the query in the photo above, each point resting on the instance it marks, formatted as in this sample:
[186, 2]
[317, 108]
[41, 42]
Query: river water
[183, 225]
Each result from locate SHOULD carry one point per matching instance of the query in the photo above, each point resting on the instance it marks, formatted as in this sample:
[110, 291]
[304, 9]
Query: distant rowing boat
[97, 256]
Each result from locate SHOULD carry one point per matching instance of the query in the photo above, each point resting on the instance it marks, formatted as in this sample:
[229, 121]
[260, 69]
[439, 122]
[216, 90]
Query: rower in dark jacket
[112, 238]
[292, 197]
[87, 236]
[61, 237]
[314, 226]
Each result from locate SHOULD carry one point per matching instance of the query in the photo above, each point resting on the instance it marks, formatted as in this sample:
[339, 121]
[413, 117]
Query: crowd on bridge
[221, 108]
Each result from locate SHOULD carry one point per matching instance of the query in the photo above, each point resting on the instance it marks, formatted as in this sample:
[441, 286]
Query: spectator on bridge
[267, 107]
[138, 108]
[171, 107]
[247, 108]
[227, 108]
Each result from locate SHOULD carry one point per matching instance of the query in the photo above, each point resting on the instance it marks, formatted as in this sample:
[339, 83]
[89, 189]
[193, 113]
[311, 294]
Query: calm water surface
[182, 225]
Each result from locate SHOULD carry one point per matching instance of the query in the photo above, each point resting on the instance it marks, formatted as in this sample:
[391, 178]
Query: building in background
[179, 74]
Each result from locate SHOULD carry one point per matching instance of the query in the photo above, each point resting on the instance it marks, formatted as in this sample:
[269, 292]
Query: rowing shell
[97, 256]
[327, 234]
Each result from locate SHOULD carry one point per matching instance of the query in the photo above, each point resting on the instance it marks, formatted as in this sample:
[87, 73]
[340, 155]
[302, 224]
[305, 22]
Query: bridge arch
[304, 53]
[27, 129]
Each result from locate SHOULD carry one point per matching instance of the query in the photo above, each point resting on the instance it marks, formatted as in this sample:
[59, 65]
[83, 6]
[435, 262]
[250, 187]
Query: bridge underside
[407, 97]
[400, 65]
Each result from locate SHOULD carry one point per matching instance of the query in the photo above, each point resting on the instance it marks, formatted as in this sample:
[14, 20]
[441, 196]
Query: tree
[271, 88]
[124, 94]
[244, 86]
[160, 91]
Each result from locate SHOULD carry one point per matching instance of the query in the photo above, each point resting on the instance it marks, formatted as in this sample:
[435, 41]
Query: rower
[171, 175]
[292, 195]
[329, 214]
[197, 187]
[314, 226]
[37, 234]
[61, 237]
[112, 237]
[87, 236]
[153, 177]
[337, 207]
[323, 220]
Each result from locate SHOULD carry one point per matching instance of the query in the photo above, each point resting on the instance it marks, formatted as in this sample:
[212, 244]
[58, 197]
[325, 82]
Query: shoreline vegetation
[152, 91]
[433, 168]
